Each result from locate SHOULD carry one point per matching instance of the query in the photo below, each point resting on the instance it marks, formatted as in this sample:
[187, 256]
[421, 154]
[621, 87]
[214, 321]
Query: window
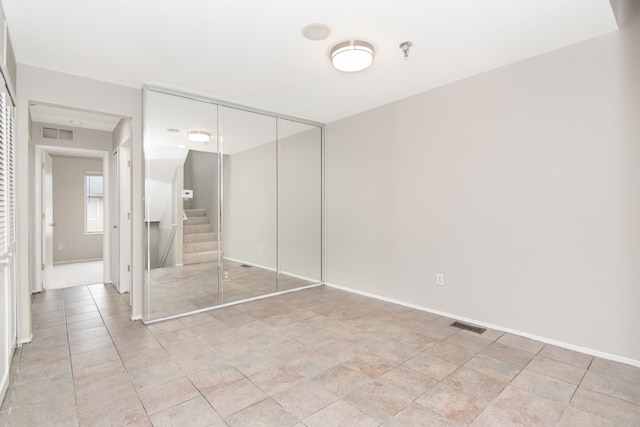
[94, 209]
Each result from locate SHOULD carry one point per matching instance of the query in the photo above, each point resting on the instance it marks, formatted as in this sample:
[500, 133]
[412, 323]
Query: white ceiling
[72, 118]
[252, 52]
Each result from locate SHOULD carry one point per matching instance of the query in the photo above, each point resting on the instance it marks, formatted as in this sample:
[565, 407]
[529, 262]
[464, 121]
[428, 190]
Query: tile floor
[315, 357]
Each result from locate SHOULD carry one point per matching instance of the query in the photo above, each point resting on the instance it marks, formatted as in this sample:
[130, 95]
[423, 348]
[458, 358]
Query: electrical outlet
[225, 275]
[70, 245]
[440, 279]
[60, 245]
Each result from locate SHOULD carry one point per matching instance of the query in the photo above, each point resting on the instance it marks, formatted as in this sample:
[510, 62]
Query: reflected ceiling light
[199, 136]
[182, 146]
[352, 55]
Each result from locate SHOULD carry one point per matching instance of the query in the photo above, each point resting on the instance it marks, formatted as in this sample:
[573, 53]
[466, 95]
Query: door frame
[106, 238]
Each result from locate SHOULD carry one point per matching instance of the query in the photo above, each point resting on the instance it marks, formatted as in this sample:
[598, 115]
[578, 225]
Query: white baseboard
[589, 351]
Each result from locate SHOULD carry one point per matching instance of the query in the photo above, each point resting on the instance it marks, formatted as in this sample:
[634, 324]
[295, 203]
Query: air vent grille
[65, 135]
[49, 133]
[53, 133]
[466, 326]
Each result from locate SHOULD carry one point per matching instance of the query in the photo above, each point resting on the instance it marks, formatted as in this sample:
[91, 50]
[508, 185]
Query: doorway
[78, 182]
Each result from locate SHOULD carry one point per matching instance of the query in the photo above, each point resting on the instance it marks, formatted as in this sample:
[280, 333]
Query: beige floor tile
[117, 412]
[512, 355]
[192, 413]
[559, 370]
[254, 362]
[473, 342]
[377, 400]
[322, 357]
[407, 381]
[564, 355]
[573, 417]
[339, 414]
[97, 390]
[451, 352]
[277, 379]
[54, 410]
[518, 407]
[138, 360]
[234, 397]
[612, 386]
[341, 380]
[615, 369]
[265, 413]
[431, 366]
[371, 365]
[419, 415]
[91, 344]
[305, 398]
[544, 386]
[101, 370]
[38, 371]
[215, 377]
[163, 396]
[311, 363]
[521, 343]
[154, 375]
[474, 383]
[453, 404]
[195, 362]
[494, 368]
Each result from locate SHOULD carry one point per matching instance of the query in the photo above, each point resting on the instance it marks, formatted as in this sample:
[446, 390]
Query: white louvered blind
[11, 193]
[3, 174]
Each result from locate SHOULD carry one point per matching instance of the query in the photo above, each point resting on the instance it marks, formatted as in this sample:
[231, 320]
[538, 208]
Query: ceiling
[252, 52]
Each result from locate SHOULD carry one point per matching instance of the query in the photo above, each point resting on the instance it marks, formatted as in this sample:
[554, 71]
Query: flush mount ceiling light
[199, 136]
[353, 55]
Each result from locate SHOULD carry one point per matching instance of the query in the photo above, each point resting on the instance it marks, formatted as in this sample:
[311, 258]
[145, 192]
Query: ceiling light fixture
[199, 136]
[351, 56]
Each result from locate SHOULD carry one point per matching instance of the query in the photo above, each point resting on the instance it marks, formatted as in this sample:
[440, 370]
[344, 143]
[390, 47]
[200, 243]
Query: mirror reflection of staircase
[199, 241]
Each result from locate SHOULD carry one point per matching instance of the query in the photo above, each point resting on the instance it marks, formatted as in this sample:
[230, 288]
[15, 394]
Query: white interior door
[124, 215]
[48, 222]
[115, 221]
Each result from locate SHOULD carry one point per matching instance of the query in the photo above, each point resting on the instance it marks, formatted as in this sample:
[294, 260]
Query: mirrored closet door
[233, 204]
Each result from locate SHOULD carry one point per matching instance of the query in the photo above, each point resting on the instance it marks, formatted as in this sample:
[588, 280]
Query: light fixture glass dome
[353, 55]
[199, 136]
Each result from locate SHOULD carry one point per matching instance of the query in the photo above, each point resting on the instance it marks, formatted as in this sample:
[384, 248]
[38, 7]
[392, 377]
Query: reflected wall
[232, 217]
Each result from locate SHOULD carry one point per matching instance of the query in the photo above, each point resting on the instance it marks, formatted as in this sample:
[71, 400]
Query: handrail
[165, 253]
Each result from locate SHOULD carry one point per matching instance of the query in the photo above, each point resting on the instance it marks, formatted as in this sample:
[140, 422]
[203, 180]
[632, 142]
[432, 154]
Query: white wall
[51, 87]
[69, 210]
[520, 185]
[300, 204]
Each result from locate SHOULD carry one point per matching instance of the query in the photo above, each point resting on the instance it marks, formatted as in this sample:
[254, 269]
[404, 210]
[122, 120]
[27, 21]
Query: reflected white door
[48, 224]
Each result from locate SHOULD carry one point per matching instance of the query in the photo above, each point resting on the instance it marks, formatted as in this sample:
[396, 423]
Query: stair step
[196, 220]
[199, 257]
[199, 228]
[199, 237]
[194, 212]
[188, 248]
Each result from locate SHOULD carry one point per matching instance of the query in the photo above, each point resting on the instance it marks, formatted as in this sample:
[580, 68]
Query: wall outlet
[225, 275]
[70, 245]
[440, 279]
[60, 245]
